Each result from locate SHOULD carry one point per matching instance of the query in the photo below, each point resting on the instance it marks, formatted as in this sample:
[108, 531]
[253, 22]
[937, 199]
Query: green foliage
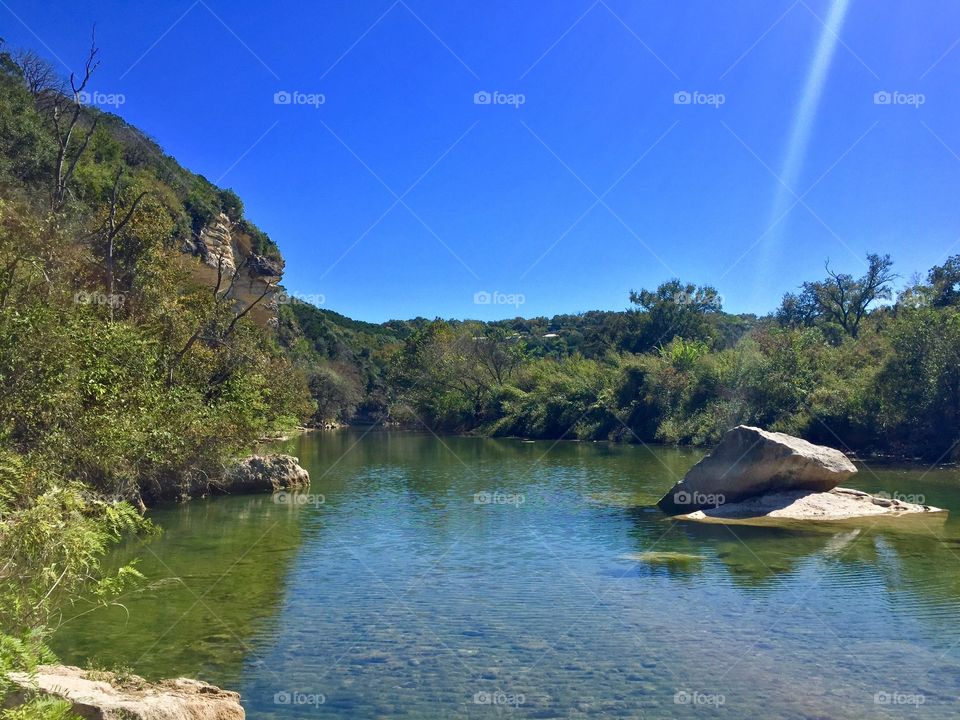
[945, 283]
[840, 299]
[23, 655]
[894, 387]
[919, 385]
[231, 205]
[123, 378]
[260, 242]
[674, 309]
[345, 361]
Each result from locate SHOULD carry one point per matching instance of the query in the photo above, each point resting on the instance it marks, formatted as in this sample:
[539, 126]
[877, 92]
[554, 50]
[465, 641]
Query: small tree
[67, 113]
[39, 75]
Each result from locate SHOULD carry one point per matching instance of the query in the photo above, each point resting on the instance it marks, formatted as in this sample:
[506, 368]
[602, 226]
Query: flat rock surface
[836, 504]
[99, 695]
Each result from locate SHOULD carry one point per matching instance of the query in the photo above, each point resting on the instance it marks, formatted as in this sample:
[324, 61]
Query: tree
[111, 228]
[674, 309]
[453, 370]
[39, 75]
[840, 298]
[67, 113]
[798, 309]
[231, 204]
[945, 282]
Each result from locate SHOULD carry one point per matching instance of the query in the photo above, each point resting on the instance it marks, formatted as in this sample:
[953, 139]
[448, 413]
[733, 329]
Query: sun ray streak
[798, 141]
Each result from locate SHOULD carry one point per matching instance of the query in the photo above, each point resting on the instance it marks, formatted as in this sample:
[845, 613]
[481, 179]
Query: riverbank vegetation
[121, 379]
[842, 362]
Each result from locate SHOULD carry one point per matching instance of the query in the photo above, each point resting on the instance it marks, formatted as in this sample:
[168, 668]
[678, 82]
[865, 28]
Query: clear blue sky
[515, 199]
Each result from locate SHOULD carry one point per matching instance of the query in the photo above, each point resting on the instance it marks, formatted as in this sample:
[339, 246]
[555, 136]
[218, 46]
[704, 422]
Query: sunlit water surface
[396, 590]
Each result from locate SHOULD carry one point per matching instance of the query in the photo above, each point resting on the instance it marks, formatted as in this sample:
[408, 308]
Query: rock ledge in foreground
[837, 504]
[749, 462]
[99, 695]
[265, 473]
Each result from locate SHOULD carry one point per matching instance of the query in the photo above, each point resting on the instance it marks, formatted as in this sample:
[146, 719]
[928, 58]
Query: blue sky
[400, 195]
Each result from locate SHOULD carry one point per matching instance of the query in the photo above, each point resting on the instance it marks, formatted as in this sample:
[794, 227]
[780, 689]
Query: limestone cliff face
[216, 240]
[223, 245]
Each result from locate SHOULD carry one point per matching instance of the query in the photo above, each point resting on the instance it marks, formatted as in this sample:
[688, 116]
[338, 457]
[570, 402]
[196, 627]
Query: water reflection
[439, 573]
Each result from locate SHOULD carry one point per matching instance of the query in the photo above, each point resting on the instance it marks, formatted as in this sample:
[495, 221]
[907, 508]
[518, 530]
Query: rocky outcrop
[837, 504]
[226, 253]
[749, 462]
[265, 473]
[215, 245]
[263, 266]
[97, 695]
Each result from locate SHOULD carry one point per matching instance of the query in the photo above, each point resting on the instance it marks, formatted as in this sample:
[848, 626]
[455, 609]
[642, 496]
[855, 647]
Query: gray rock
[97, 695]
[261, 265]
[265, 473]
[749, 462]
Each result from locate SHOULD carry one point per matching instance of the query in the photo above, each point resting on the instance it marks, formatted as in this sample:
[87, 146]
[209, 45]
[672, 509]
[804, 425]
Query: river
[426, 577]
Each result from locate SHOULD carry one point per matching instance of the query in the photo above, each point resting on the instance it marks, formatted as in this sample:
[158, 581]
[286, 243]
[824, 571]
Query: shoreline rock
[749, 462]
[265, 473]
[97, 695]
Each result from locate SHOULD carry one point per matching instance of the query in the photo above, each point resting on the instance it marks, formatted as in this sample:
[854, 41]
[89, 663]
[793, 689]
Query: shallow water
[395, 590]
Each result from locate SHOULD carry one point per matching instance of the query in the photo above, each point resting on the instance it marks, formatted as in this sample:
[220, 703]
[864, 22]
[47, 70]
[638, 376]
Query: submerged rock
[265, 473]
[663, 558]
[97, 695]
[749, 462]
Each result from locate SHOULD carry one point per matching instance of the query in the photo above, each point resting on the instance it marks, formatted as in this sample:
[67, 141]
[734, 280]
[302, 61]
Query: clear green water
[400, 596]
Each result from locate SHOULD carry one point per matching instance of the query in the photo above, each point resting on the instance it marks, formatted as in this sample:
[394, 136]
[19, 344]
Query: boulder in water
[750, 462]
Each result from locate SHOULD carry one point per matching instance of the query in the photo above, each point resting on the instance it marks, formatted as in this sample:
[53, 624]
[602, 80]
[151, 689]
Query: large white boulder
[749, 462]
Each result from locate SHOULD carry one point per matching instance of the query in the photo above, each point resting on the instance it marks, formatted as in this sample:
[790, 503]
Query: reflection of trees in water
[915, 559]
[216, 579]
